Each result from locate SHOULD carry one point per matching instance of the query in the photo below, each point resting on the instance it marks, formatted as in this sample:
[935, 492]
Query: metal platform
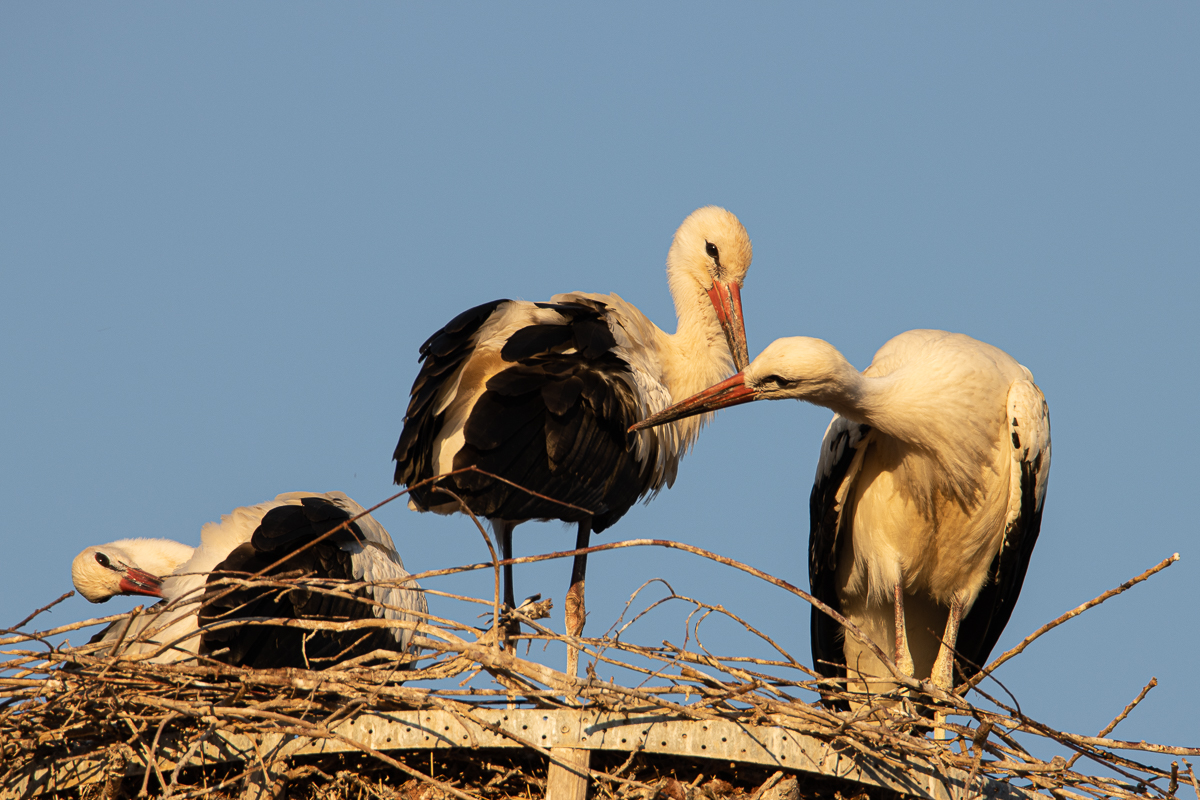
[765, 745]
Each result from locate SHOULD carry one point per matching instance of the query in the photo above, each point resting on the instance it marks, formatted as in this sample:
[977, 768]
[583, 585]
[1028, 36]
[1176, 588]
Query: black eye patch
[712, 251]
[103, 561]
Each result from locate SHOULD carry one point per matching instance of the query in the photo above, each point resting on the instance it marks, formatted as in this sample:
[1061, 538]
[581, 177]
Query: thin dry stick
[74, 626]
[154, 759]
[199, 741]
[1192, 776]
[346, 525]
[464, 508]
[1110, 726]
[1075, 612]
[44, 608]
[381, 792]
[897, 675]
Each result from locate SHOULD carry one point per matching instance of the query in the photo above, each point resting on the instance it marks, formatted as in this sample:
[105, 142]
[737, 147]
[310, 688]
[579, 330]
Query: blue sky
[225, 230]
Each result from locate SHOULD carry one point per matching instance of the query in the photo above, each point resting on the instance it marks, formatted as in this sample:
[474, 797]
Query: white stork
[928, 496]
[195, 617]
[541, 394]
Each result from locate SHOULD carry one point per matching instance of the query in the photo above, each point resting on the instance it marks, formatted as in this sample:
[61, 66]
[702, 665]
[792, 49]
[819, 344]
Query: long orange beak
[727, 301]
[136, 581]
[731, 392]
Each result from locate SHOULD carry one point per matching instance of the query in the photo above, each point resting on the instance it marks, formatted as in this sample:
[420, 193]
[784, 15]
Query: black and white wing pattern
[285, 543]
[443, 359]
[1029, 420]
[552, 413]
[841, 458]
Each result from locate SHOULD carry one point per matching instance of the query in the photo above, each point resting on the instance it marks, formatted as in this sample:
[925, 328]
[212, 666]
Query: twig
[1075, 612]
[196, 745]
[495, 560]
[1117, 721]
[897, 675]
[47, 607]
[1192, 777]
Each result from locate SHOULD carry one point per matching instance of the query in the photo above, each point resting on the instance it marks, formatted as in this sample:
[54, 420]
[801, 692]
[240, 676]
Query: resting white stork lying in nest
[197, 610]
[928, 496]
[541, 394]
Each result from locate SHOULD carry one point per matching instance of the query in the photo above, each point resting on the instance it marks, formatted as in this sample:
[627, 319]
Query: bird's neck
[929, 424]
[159, 557]
[699, 354]
[693, 358]
[876, 401]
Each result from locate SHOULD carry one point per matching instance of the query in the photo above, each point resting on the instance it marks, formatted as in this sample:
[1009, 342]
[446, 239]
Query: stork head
[799, 368]
[706, 266]
[128, 566]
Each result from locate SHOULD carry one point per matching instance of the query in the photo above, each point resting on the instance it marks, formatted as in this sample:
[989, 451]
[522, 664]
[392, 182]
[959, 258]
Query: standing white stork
[542, 394]
[200, 615]
[928, 496]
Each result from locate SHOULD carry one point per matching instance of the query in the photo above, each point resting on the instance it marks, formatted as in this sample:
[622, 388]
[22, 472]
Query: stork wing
[1029, 423]
[553, 417]
[442, 358]
[837, 469]
[286, 542]
[376, 561]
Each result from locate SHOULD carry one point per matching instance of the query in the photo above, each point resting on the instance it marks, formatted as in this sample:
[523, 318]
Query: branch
[1075, 612]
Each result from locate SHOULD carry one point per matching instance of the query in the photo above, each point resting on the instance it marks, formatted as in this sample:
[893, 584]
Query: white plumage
[542, 395]
[195, 613]
[928, 496]
[126, 566]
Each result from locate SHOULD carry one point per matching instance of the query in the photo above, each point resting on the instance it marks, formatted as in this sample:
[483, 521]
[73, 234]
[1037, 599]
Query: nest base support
[568, 784]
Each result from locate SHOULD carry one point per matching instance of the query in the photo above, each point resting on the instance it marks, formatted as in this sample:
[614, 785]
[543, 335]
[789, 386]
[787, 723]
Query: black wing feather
[442, 355]
[280, 535]
[825, 523]
[981, 628]
[533, 340]
[555, 421]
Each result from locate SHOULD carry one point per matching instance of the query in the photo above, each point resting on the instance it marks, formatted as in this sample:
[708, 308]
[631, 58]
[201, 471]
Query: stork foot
[510, 628]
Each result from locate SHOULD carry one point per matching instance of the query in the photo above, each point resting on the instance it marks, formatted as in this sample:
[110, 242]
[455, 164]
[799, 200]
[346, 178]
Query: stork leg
[903, 656]
[574, 608]
[904, 661]
[943, 666]
[503, 530]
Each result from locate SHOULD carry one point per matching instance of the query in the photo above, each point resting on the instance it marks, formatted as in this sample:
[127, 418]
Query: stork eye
[102, 560]
[712, 251]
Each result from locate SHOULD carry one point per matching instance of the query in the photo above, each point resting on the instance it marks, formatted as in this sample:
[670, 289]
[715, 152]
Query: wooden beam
[563, 783]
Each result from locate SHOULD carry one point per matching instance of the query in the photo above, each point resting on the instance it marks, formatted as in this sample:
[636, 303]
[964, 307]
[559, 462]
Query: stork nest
[66, 705]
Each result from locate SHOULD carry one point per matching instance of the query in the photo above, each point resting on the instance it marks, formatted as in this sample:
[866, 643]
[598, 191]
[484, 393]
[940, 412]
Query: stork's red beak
[731, 392]
[136, 581]
[727, 301]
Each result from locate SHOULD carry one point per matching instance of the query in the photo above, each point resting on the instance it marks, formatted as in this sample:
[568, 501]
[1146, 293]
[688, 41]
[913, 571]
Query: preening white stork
[202, 616]
[541, 394]
[928, 496]
[127, 566]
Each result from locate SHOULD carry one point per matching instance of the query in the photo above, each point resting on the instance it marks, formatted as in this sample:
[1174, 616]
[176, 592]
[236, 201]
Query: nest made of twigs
[61, 704]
